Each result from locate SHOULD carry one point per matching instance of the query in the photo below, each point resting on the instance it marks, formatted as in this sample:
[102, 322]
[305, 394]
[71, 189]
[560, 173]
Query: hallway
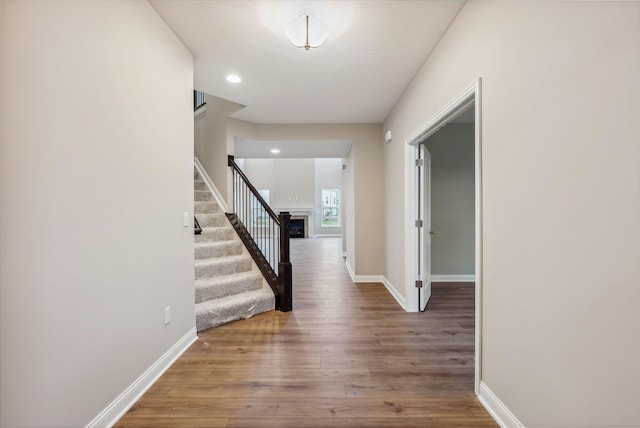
[347, 356]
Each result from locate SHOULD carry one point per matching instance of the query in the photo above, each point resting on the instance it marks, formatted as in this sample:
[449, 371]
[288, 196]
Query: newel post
[285, 278]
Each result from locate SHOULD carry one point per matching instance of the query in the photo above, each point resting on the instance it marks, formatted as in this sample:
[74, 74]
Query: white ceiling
[374, 49]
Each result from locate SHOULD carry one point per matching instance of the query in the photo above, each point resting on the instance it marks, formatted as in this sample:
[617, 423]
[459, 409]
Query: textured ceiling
[372, 53]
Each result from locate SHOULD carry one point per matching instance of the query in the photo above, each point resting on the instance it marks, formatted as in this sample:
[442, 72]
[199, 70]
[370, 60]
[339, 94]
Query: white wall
[259, 172]
[561, 199]
[293, 183]
[348, 240]
[210, 142]
[453, 200]
[96, 169]
[328, 176]
[290, 181]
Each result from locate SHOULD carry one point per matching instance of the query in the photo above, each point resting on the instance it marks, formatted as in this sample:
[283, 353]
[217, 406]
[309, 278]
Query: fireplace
[301, 222]
[296, 228]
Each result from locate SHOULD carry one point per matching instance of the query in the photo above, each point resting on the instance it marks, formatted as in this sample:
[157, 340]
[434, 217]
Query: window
[330, 208]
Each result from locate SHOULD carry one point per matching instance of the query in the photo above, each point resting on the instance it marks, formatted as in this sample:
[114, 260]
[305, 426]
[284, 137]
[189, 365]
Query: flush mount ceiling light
[307, 31]
[234, 78]
[275, 151]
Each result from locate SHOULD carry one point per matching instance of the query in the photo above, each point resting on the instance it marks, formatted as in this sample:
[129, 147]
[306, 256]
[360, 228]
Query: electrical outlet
[167, 315]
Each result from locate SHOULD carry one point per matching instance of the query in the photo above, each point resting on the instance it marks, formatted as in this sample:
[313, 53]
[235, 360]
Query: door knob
[431, 232]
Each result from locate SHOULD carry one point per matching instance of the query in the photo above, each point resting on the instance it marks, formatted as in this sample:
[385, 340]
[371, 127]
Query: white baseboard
[379, 279]
[350, 270]
[212, 187]
[453, 278]
[118, 407]
[497, 409]
[394, 292]
[362, 278]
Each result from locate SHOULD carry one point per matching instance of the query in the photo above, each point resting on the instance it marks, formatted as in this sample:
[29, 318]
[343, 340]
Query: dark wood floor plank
[347, 356]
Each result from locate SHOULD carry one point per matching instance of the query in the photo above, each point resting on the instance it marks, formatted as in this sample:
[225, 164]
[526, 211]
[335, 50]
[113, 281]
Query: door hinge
[419, 223]
[418, 283]
[419, 162]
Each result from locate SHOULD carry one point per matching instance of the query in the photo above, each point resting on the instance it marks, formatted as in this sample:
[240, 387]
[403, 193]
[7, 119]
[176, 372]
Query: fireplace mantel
[303, 213]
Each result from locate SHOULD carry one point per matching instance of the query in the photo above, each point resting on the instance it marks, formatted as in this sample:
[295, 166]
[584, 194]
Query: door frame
[470, 95]
[423, 235]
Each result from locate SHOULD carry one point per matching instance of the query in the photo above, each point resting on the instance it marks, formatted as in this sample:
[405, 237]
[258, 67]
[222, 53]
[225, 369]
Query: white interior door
[425, 231]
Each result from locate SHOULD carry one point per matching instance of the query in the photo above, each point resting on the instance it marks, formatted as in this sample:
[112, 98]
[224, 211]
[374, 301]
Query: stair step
[212, 220]
[211, 234]
[211, 268]
[227, 285]
[206, 207]
[207, 250]
[238, 306]
[202, 195]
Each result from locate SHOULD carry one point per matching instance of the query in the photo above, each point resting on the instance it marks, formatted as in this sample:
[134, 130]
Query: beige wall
[210, 142]
[366, 255]
[561, 199]
[453, 200]
[348, 242]
[260, 173]
[96, 161]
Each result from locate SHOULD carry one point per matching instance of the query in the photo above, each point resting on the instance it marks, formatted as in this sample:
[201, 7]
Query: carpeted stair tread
[212, 220]
[221, 233]
[227, 285]
[230, 308]
[206, 207]
[202, 195]
[210, 268]
[209, 249]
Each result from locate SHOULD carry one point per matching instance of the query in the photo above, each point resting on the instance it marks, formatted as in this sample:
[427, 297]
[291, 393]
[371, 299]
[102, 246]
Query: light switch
[185, 220]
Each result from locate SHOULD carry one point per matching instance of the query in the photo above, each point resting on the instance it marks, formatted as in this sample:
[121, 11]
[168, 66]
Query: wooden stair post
[285, 278]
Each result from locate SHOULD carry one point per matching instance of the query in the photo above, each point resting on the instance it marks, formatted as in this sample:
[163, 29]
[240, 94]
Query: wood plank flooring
[347, 356]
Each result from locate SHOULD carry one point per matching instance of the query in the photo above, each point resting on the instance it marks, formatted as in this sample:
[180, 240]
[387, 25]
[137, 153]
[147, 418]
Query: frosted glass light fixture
[307, 31]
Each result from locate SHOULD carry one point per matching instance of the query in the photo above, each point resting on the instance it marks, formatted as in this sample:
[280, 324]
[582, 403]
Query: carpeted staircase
[229, 285]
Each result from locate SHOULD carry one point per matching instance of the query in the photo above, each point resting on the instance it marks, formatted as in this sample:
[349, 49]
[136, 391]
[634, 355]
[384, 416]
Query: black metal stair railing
[199, 99]
[265, 234]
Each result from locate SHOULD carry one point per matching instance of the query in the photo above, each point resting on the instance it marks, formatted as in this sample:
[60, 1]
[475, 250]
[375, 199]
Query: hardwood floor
[347, 356]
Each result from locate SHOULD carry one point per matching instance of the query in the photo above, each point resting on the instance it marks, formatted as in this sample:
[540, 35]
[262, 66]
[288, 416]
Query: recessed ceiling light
[275, 151]
[234, 78]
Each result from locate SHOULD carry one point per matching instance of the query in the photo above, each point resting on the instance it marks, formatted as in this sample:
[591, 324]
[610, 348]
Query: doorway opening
[465, 108]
